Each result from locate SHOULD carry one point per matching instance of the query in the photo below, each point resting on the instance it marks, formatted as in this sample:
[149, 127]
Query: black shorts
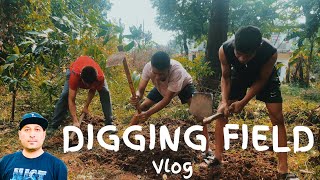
[270, 93]
[184, 95]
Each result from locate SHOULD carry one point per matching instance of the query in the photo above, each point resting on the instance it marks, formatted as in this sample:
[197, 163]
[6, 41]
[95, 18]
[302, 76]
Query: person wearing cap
[84, 73]
[248, 61]
[32, 162]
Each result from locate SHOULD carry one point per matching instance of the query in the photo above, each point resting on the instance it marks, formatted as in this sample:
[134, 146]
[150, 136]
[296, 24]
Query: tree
[187, 17]
[10, 25]
[138, 37]
[261, 13]
[13, 67]
[217, 34]
[47, 35]
[311, 10]
[307, 34]
[191, 19]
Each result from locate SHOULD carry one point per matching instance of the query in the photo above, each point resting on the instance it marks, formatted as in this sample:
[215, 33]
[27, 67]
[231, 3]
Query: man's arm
[72, 106]
[142, 87]
[91, 94]
[225, 78]
[262, 80]
[139, 93]
[225, 82]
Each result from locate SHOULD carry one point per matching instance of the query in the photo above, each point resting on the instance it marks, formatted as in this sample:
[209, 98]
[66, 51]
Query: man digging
[248, 61]
[84, 73]
[170, 79]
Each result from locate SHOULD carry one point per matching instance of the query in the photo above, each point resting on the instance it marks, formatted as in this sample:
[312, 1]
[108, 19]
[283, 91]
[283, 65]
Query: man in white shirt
[169, 79]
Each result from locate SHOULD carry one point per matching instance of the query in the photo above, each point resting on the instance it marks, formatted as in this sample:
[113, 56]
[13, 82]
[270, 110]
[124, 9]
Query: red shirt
[76, 67]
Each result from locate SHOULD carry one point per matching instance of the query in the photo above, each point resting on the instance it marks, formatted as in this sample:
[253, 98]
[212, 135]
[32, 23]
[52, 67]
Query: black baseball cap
[33, 118]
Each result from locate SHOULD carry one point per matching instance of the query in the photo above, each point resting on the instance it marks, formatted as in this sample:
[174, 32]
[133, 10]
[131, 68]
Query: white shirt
[176, 80]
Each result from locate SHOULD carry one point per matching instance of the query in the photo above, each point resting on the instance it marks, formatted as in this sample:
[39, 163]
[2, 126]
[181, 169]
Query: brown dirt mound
[141, 162]
[238, 163]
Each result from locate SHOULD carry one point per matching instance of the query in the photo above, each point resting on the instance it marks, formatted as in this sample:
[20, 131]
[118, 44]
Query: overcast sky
[135, 12]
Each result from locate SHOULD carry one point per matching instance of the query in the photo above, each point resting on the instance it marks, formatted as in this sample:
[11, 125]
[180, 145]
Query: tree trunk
[288, 74]
[301, 79]
[294, 77]
[14, 94]
[218, 28]
[309, 62]
[185, 45]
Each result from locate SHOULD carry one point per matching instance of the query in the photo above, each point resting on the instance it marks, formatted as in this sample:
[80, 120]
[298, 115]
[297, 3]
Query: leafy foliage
[261, 13]
[306, 55]
[138, 38]
[48, 36]
[197, 68]
[189, 18]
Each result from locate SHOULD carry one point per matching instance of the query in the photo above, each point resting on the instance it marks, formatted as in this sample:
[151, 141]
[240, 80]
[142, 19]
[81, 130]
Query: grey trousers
[62, 107]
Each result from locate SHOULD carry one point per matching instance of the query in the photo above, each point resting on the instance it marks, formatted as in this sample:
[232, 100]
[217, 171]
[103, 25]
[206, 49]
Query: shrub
[197, 68]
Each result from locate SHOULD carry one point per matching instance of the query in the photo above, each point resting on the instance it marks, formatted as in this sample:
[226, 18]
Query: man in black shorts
[248, 61]
[170, 79]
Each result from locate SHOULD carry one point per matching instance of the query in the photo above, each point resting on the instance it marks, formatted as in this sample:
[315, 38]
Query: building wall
[284, 59]
[285, 49]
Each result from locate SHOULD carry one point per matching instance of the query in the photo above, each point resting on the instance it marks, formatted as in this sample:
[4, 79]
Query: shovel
[201, 107]
[117, 59]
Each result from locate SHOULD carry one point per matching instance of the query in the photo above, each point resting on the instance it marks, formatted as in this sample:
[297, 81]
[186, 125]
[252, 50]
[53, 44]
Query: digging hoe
[82, 116]
[120, 58]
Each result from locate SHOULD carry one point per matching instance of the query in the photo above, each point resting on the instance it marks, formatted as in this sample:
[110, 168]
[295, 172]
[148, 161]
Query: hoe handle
[209, 119]
[80, 120]
[133, 92]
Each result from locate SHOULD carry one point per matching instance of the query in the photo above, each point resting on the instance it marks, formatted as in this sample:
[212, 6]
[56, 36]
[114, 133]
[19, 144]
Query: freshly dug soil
[106, 164]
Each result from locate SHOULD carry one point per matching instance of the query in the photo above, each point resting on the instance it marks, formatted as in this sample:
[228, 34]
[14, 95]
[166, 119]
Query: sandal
[288, 176]
[207, 154]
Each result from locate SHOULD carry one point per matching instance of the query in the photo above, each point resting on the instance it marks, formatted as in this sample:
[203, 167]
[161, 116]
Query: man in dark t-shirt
[248, 61]
[84, 73]
[32, 162]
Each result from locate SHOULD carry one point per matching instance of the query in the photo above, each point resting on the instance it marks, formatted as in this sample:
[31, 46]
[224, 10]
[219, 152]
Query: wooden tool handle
[80, 120]
[133, 92]
[209, 119]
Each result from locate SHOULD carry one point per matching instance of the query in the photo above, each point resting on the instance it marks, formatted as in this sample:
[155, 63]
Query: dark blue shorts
[184, 95]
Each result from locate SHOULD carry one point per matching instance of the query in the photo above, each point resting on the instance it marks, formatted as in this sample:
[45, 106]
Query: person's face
[244, 58]
[32, 137]
[160, 75]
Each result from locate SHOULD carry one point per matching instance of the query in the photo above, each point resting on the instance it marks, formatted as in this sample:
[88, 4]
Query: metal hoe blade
[115, 59]
[201, 104]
